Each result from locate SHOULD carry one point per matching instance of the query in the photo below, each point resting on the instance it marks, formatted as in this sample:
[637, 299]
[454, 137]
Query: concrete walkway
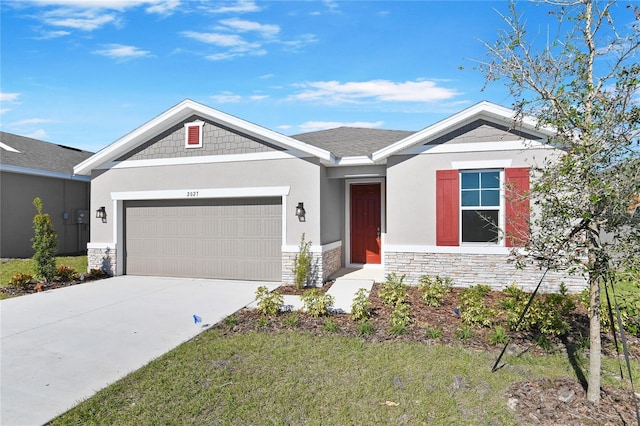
[61, 346]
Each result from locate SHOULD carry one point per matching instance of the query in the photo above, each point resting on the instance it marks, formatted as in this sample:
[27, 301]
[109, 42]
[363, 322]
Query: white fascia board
[473, 249]
[8, 148]
[178, 113]
[484, 108]
[43, 173]
[448, 148]
[195, 193]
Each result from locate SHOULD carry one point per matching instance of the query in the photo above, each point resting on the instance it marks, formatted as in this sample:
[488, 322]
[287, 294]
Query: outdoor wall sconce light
[101, 213]
[300, 212]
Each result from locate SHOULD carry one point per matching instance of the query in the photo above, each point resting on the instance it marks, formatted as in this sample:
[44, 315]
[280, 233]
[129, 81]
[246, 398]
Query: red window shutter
[447, 206]
[193, 135]
[517, 206]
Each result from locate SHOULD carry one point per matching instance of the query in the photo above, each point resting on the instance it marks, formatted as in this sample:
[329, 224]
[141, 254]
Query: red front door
[365, 223]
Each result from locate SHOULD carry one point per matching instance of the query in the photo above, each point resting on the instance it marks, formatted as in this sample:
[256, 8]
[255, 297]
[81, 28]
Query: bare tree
[581, 80]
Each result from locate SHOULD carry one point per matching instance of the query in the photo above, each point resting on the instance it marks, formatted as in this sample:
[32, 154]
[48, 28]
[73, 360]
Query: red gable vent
[193, 134]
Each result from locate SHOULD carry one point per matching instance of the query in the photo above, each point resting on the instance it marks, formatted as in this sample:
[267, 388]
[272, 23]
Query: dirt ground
[559, 402]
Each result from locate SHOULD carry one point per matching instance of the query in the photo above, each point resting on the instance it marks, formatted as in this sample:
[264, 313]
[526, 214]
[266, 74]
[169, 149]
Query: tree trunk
[593, 390]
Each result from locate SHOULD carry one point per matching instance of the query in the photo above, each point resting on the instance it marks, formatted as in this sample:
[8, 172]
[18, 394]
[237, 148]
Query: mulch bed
[558, 402]
[39, 286]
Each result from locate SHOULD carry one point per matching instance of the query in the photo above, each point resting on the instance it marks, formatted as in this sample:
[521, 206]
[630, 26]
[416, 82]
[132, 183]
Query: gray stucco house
[32, 168]
[196, 192]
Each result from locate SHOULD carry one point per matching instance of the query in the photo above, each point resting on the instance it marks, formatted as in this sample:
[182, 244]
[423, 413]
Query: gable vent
[193, 134]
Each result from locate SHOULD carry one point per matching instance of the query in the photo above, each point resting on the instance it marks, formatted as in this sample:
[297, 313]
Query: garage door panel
[231, 239]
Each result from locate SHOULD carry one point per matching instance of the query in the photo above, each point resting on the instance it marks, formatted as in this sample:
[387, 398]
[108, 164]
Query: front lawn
[26, 266]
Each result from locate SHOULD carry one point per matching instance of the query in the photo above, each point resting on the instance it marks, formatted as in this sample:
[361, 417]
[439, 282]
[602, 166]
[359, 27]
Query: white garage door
[206, 238]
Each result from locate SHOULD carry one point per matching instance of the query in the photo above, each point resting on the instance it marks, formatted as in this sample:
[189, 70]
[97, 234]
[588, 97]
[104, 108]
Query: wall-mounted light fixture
[101, 213]
[300, 212]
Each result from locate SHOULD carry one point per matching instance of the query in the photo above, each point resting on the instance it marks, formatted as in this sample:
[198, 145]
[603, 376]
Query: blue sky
[84, 73]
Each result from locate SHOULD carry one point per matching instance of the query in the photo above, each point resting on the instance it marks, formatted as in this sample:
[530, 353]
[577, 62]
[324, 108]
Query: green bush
[361, 306]
[498, 336]
[45, 243]
[66, 273]
[434, 332]
[268, 302]
[316, 303]
[400, 318]
[292, 320]
[628, 302]
[547, 313]
[365, 328]
[393, 290]
[434, 289]
[330, 325]
[473, 310]
[302, 264]
[464, 333]
[20, 280]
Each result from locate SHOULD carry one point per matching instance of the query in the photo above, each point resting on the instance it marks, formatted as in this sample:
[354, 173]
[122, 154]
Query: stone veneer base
[470, 269]
[103, 259]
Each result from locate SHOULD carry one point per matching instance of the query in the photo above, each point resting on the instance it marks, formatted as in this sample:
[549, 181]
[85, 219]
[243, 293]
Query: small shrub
[434, 289]
[263, 322]
[316, 303]
[400, 318]
[96, 273]
[464, 333]
[292, 320]
[546, 314]
[394, 290]
[330, 325]
[302, 264]
[543, 342]
[230, 321]
[434, 332]
[66, 273]
[498, 336]
[268, 302]
[20, 280]
[473, 310]
[365, 328]
[45, 243]
[361, 306]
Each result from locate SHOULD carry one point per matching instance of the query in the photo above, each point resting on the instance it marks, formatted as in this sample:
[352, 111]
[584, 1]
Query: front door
[365, 223]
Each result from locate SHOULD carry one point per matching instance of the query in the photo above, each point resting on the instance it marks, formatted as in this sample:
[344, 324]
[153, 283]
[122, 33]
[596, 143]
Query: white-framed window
[193, 134]
[481, 206]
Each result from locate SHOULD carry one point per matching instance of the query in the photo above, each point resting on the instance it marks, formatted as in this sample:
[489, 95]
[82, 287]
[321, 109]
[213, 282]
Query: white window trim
[200, 125]
[501, 210]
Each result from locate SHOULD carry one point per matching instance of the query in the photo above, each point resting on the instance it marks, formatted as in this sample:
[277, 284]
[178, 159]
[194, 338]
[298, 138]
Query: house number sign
[192, 193]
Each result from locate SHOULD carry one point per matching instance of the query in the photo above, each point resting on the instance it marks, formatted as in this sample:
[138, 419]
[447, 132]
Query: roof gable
[183, 111]
[25, 155]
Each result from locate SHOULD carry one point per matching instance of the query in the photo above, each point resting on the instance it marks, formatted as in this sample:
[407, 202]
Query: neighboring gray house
[199, 193]
[32, 168]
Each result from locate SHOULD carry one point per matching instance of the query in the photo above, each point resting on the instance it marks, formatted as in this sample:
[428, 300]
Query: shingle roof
[39, 155]
[352, 141]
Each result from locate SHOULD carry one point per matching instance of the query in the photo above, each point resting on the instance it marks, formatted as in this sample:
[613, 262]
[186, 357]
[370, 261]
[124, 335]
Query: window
[473, 205]
[480, 206]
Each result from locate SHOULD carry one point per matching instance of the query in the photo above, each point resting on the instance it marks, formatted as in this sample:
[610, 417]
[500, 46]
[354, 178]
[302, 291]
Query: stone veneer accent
[323, 265]
[216, 140]
[103, 259]
[470, 269]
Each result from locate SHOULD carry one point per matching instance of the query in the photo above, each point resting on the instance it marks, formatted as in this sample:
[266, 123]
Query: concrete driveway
[61, 346]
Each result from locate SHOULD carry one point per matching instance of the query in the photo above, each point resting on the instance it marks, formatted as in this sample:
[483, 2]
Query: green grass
[26, 266]
[297, 378]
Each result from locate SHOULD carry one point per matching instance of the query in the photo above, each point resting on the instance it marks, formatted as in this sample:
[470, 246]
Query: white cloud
[226, 98]
[9, 97]
[4, 110]
[335, 92]
[241, 6]
[258, 97]
[121, 52]
[38, 134]
[219, 39]
[313, 126]
[266, 76]
[31, 121]
[239, 25]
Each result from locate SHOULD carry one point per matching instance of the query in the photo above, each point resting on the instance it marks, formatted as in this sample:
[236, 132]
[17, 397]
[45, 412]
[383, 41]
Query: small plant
[45, 243]
[96, 273]
[498, 336]
[473, 310]
[268, 302]
[434, 332]
[394, 290]
[230, 321]
[400, 318]
[330, 325]
[20, 280]
[263, 322]
[365, 328]
[66, 273]
[302, 264]
[464, 333]
[292, 320]
[434, 289]
[361, 306]
[316, 303]
[543, 342]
